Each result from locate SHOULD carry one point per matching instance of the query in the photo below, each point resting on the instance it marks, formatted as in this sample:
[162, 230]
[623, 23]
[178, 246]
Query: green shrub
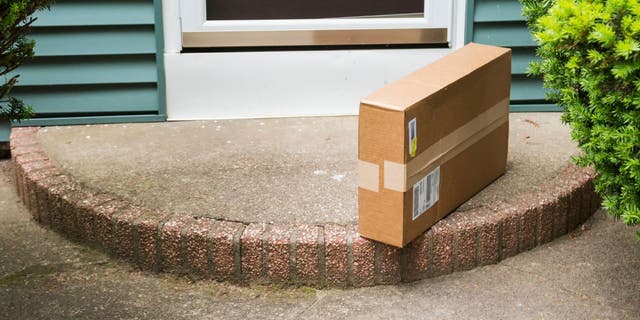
[15, 48]
[590, 60]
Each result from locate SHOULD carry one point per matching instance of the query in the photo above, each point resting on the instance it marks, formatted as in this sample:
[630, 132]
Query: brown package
[431, 140]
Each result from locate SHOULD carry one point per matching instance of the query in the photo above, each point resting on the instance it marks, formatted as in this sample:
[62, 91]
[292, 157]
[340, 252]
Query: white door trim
[217, 85]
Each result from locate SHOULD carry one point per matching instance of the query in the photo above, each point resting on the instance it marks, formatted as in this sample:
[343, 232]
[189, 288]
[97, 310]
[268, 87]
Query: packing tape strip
[368, 176]
[414, 178]
[395, 175]
[412, 171]
[458, 136]
[401, 177]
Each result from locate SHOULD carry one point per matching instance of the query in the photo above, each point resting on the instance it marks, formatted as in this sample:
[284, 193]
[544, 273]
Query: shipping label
[426, 193]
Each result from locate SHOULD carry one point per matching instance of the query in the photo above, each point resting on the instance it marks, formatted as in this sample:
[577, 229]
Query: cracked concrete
[590, 274]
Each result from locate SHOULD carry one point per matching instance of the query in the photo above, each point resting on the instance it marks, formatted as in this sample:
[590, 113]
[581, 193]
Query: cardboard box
[431, 140]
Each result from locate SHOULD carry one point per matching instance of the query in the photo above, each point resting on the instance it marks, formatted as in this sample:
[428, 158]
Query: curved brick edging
[319, 256]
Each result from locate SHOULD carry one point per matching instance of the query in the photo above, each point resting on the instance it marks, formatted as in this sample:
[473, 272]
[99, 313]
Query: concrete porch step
[275, 201]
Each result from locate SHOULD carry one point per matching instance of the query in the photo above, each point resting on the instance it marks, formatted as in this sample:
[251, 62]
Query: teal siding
[500, 23]
[80, 42]
[96, 61]
[497, 10]
[90, 99]
[57, 71]
[5, 130]
[67, 13]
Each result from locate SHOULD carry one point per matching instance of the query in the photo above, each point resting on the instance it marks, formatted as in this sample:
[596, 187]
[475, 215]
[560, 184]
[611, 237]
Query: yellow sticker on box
[413, 138]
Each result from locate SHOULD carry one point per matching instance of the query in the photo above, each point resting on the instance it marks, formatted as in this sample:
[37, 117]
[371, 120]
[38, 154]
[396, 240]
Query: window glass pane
[306, 9]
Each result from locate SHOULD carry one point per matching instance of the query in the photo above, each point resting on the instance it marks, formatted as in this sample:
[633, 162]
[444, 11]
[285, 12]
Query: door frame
[288, 82]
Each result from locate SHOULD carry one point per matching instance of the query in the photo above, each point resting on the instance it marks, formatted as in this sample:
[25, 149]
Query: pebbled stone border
[311, 255]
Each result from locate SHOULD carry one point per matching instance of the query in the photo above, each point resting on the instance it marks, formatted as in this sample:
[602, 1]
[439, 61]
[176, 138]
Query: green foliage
[590, 59]
[15, 48]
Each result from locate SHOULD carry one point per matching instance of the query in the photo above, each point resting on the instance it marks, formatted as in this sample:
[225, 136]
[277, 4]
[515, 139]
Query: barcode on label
[426, 193]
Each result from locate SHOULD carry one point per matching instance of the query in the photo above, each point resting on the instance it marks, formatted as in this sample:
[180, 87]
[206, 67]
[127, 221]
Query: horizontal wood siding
[500, 23]
[96, 61]
[82, 13]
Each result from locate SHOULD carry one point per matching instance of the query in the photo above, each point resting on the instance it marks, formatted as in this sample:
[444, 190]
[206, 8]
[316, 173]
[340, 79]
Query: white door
[242, 59]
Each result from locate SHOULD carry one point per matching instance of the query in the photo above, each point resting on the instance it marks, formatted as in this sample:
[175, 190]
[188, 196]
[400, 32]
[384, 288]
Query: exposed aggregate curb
[294, 254]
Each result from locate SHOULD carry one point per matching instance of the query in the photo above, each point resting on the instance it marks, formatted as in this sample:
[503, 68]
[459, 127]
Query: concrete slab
[293, 170]
[590, 274]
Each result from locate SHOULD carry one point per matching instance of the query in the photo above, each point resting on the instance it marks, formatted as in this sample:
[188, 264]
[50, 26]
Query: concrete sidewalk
[590, 274]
